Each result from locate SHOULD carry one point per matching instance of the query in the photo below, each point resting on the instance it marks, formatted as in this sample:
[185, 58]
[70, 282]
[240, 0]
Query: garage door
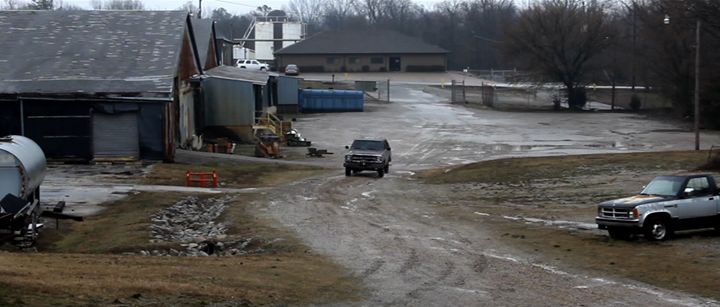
[115, 136]
[61, 128]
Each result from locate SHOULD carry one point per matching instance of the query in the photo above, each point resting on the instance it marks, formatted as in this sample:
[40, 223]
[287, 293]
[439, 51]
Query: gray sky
[233, 6]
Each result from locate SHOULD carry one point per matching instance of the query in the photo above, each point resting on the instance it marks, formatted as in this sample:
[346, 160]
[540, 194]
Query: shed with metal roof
[372, 50]
[98, 84]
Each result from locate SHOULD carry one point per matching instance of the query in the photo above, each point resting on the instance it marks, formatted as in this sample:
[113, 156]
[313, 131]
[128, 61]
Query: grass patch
[84, 266]
[515, 170]
[684, 266]
[86, 279]
[124, 226]
[568, 188]
[233, 174]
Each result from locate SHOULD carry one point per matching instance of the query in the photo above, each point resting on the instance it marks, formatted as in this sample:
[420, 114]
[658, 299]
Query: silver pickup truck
[666, 204]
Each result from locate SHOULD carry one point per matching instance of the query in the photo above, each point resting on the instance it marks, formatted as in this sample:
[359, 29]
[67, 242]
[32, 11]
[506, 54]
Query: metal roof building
[98, 84]
[368, 50]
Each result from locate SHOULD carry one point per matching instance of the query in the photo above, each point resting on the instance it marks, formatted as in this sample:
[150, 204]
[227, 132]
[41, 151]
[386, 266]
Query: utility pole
[697, 85]
[634, 42]
[200, 10]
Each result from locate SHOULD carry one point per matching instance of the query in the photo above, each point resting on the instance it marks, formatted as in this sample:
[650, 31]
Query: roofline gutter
[279, 52]
[156, 99]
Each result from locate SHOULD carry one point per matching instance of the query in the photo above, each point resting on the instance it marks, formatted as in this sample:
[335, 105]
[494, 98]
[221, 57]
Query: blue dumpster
[318, 101]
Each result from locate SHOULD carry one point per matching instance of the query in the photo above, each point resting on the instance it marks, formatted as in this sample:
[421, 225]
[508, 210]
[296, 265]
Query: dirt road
[392, 232]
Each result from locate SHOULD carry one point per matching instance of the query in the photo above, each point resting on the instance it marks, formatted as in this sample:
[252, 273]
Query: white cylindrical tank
[22, 166]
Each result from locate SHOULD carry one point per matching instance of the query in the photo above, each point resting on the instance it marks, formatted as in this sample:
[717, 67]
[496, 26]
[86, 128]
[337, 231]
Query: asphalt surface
[389, 231]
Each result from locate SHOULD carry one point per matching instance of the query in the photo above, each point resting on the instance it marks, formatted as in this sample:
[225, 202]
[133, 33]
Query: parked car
[292, 70]
[666, 204]
[253, 65]
[368, 155]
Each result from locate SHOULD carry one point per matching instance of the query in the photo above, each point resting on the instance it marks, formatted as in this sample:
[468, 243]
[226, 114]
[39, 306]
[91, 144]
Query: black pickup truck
[368, 155]
[666, 204]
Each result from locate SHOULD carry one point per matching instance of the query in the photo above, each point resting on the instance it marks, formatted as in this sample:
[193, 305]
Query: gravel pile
[192, 223]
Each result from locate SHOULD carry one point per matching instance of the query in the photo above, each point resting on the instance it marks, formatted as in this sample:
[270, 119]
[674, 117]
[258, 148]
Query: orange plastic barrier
[202, 179]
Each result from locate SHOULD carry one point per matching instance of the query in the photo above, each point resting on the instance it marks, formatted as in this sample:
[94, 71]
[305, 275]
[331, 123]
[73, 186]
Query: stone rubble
[192, 223]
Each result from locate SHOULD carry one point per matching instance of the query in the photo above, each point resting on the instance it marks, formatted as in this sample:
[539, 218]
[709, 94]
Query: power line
[236, 3]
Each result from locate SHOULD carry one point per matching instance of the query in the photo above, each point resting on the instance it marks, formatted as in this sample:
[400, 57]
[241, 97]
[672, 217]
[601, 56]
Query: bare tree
[119, 5]
[308, 11]
[190, 7]
[372, 9]
[61, 5]
[557, 38]
[263, 10]
[41, 5]
[10, 5]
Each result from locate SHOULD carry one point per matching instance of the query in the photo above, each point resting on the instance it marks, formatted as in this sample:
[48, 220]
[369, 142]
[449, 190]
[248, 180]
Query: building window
[353, 60]
[330, 60]
[377, 60]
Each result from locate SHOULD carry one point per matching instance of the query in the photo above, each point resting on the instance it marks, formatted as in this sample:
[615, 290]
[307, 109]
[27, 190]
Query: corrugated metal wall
[287, 90]
[116, 135]
[228, 102]
[62, 129]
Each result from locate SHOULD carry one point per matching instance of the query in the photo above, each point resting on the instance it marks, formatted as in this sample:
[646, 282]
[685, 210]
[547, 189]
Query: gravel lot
[394, 233]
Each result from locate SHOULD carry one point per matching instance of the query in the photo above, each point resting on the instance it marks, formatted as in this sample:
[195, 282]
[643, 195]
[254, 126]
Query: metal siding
[186, 124]
[229, 102]
[264, 50]
[292, 30]
[288, 90]
[62, 129]
[150, 125]
[116, 135]
[10, 117]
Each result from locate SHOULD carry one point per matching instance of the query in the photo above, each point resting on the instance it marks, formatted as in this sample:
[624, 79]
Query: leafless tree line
[575, 42]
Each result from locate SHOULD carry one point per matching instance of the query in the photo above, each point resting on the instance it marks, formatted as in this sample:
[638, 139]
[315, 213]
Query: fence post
[464, 98]
[452, 91]
[388, 90]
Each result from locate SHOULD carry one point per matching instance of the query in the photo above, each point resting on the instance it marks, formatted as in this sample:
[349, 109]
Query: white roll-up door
[116, 136]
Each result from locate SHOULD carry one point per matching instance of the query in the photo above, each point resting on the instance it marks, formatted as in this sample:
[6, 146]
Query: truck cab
[666, 204]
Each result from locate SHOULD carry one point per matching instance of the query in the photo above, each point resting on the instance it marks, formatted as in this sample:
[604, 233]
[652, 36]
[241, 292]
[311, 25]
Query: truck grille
[363, 159]
[615, 213]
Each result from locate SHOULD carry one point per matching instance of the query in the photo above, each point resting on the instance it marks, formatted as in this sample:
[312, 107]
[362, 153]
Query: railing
[271, 122]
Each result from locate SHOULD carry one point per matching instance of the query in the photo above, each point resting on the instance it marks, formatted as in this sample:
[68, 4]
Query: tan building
[363, 51]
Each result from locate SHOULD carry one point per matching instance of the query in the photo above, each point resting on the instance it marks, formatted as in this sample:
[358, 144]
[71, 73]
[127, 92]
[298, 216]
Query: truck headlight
[348, 158]
[379, 159]
[634, 213]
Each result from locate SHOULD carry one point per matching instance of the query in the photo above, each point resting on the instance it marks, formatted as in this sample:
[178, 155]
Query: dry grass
[124, 226]
[233, 175]
[84, 266]
[525, 169]
[568, 189]
[83, 279]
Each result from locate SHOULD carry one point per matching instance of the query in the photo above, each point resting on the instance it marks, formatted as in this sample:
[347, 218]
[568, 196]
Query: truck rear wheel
[657, 229]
